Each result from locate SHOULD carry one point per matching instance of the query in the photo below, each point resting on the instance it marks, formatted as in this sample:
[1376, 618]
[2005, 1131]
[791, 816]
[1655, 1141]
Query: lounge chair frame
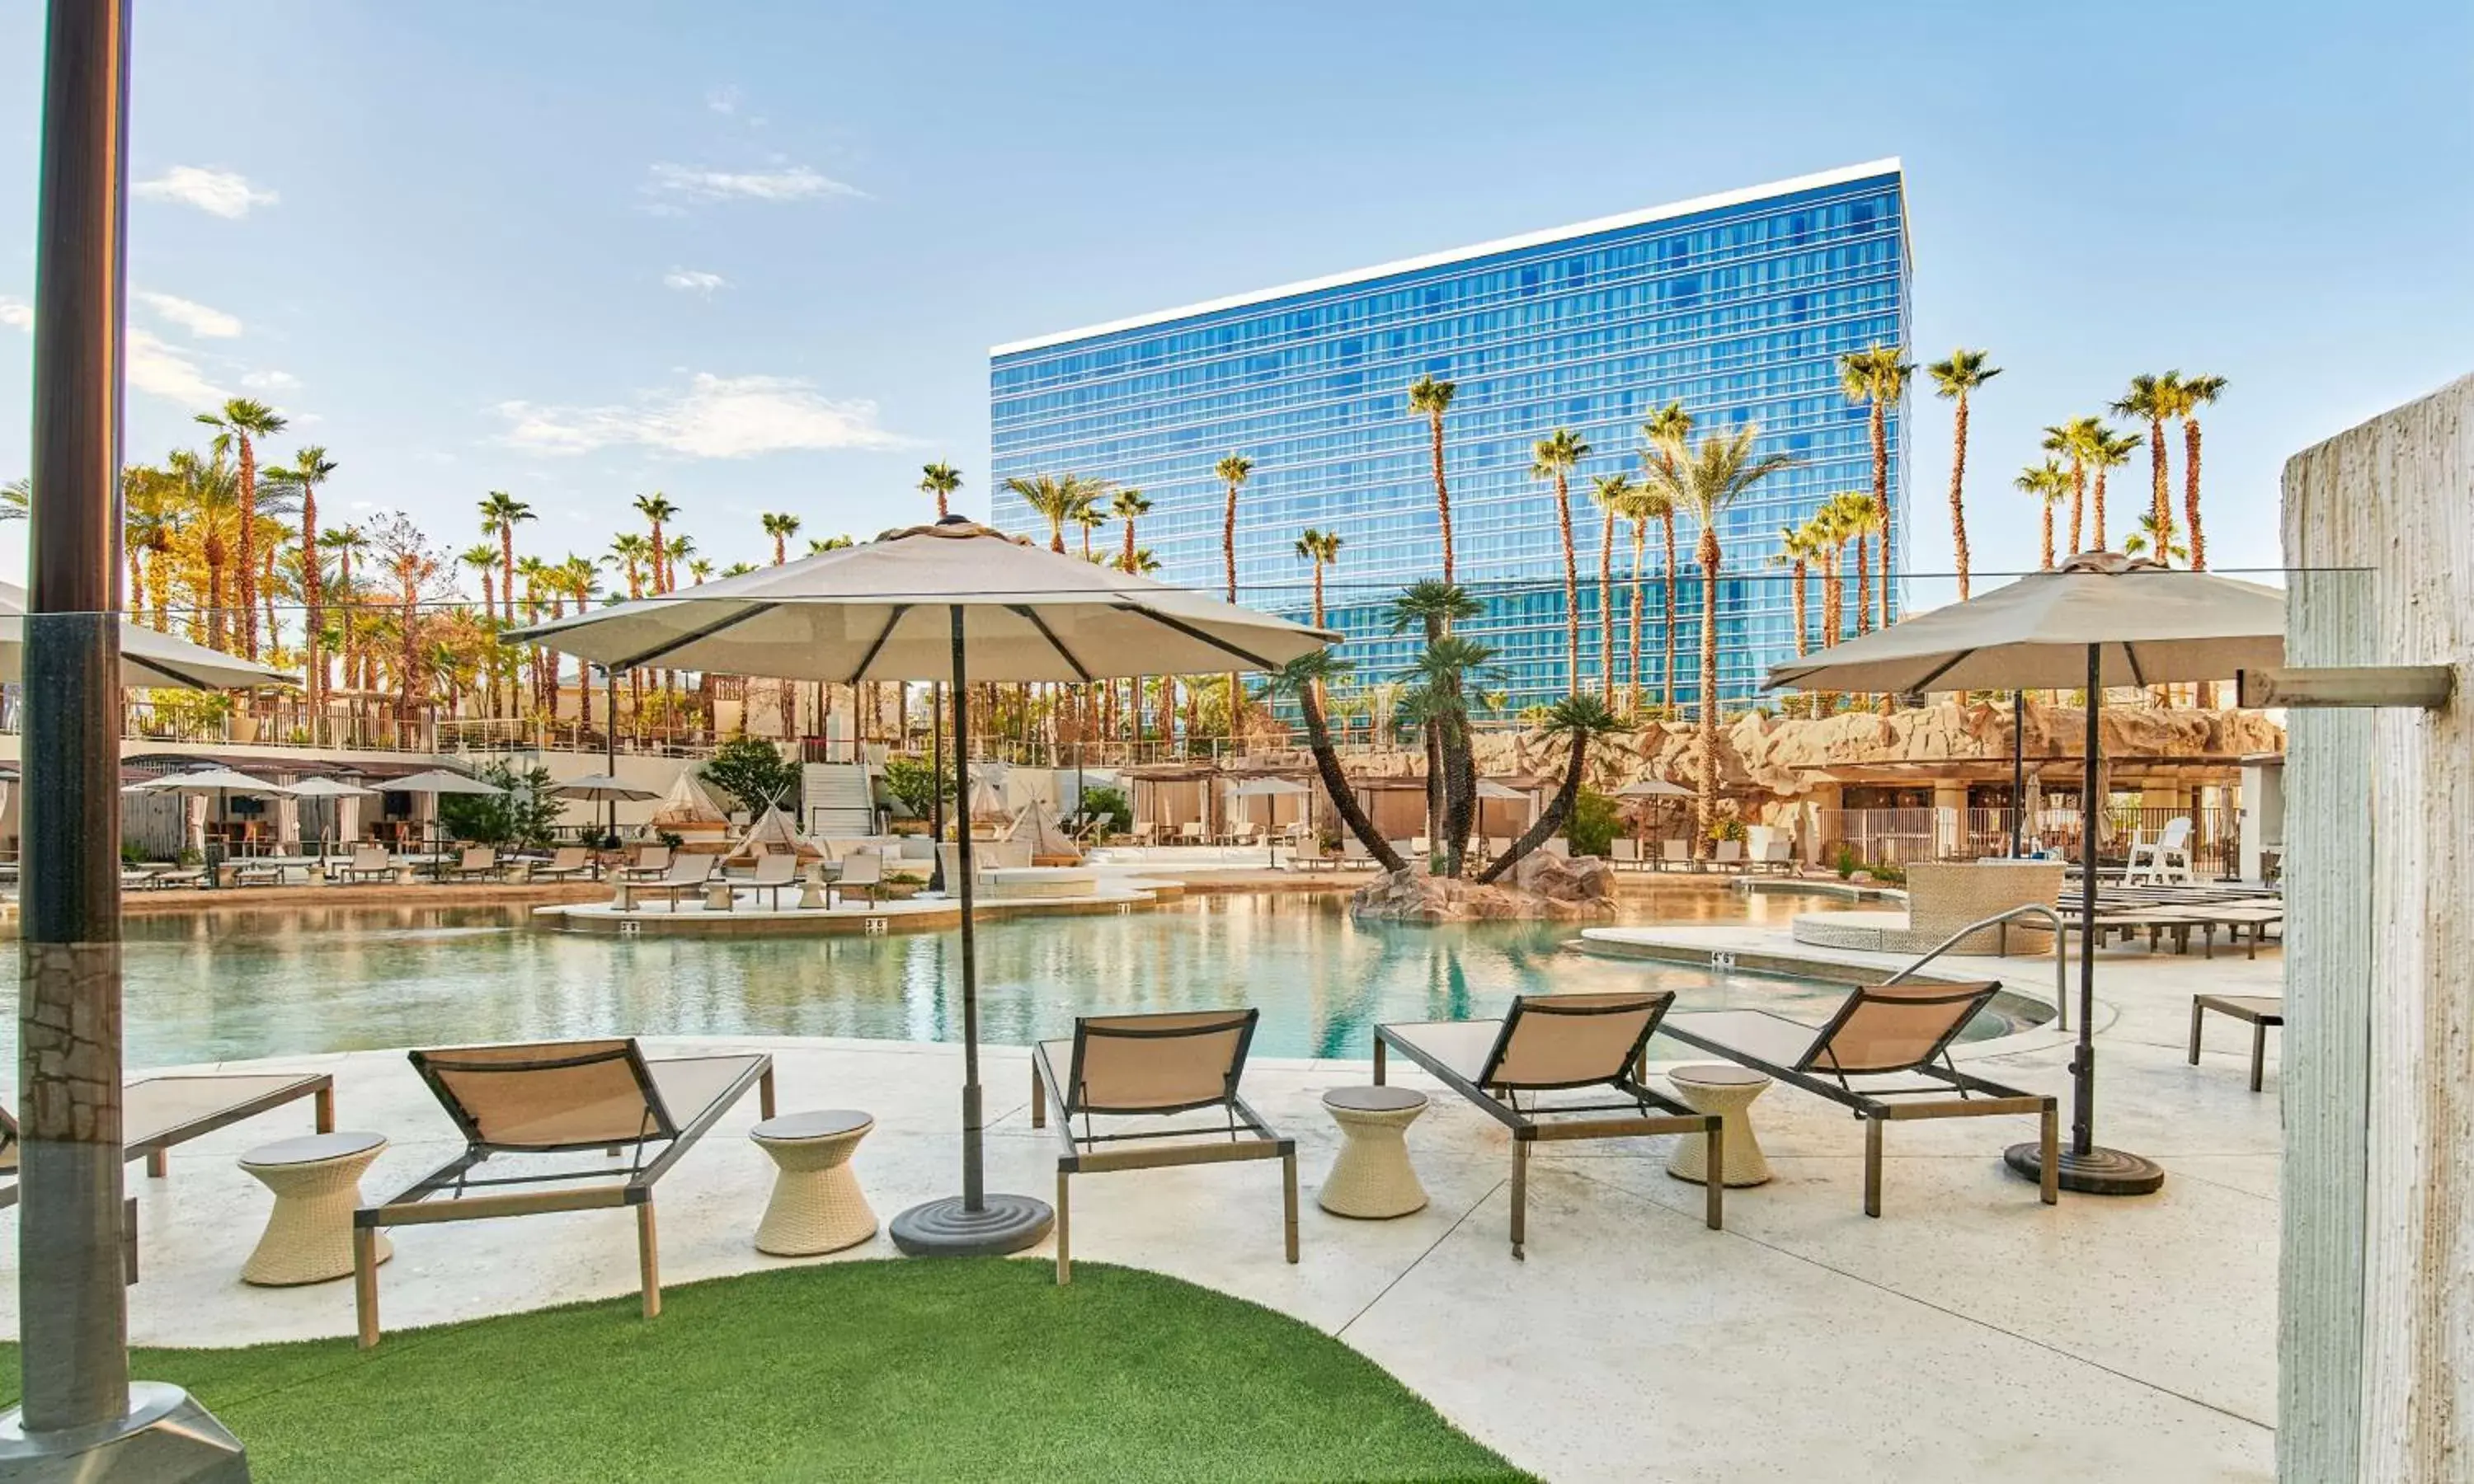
[471, 1197]
[1532, 1125]
[2254, 1008]
[1977, 1096]
[1250, 1136]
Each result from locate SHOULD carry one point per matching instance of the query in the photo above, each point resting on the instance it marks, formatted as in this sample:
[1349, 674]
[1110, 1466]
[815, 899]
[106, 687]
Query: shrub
[1109, 805]
[917, 784]
[1726, 830]
[1593, 824]
[521, 815]
[754, 773]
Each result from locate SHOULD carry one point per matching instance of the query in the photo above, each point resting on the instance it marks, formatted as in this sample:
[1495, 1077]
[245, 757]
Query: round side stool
[1373, 1178]
[817, 1205]
[1728, 1092]
[317, 1184]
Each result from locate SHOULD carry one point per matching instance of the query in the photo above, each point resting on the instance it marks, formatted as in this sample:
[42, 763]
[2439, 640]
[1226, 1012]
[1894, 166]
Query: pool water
[271, 983]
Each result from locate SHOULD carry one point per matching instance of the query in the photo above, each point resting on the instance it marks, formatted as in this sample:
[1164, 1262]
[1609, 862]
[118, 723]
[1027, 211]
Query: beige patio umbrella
[147, 658]
[2103, 619]
[955, 601]
[221, 783]
[331, 788]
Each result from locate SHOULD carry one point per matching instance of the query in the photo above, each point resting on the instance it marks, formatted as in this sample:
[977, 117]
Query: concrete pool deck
[1970, 1333]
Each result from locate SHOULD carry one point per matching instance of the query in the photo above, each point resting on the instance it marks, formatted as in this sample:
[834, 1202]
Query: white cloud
[18, 314]
[695, 280]
[782, 182]
[222, 193]
[715, 417]
[189, 315]
[270, 382]
[724, 100]
[164, 371]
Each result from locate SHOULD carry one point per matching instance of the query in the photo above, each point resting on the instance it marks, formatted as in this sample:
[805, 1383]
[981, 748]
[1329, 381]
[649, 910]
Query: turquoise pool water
[323, 979]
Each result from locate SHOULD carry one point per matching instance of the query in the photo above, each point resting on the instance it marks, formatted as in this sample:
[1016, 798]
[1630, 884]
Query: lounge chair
[1559, 1042]
[186, 876]
[2261, 1011]
[1245, 832]
[1147, 1068]
[369, 863]
[138, 879]
[257, 873]
[863, 869]
[1777, 854]
[1190, 832]
[1673, 856]
[568, 860]
[2165, 859]
[475, 860]
[1146, 832]
[558, 1098]
[1728, 855]
[688, 876]
[1352, 851]
[774, 873]
[1627, 852]
[652, 862]
[1885, 1054]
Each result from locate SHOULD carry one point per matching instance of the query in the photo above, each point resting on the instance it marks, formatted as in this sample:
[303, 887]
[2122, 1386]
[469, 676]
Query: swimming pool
[283, 982]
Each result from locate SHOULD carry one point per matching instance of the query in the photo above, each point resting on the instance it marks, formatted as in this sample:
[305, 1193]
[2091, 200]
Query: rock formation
[1546, 888]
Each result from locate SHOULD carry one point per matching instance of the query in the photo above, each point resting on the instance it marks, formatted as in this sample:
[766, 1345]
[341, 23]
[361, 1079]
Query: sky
[753, 255]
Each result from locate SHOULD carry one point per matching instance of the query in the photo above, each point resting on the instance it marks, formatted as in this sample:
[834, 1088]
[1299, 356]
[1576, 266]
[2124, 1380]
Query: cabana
[774, 834]
[689, 812]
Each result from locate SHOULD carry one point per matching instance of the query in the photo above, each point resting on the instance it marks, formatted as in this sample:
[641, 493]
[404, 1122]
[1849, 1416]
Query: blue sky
[753, 255]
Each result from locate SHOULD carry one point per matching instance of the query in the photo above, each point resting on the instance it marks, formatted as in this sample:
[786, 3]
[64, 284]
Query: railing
[2061, 957]
[1897, 837]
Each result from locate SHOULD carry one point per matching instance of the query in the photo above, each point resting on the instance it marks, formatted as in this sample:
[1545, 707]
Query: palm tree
[2047, 485]
[1321, 548]
[1583, 720]
[1614, 494]
[1304, 678]
[347, 543]
[1665, 434]
[2111, 450]
[1434, 606]
[1796, 547]
[629, 552]
[780, 527]
[1858, 521]
[1128, 506]
[1637, 508]
[1554, 457]
[939, 479]
[2196, 393]
[1953, 381]
[1090, 518]
[17, 498]
[1057, 498]
[1703, 481]
[1445, 673]
[484, 559]
[655, 510]
[2075, 440]
[244, 421]
[309, 469]
[820, 544]
[1828, 536]
[1434, 399]
[500, 514]
[1877, 376]
[2154, 399]
[1142, 563]
[1232, 472]
[150, 512]
[2147, 542]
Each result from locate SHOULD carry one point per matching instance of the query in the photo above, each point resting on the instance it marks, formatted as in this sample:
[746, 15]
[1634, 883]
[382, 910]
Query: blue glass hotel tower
[1738, 305]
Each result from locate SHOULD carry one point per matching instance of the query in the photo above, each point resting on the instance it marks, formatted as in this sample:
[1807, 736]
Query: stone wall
[2377, 1374]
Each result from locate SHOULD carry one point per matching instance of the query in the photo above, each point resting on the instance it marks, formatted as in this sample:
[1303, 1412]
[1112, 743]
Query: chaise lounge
[1885, 1054]
[1559, 1042]
[553, 1098]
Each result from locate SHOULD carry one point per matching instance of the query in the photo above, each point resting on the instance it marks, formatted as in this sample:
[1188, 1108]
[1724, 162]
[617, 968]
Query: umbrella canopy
[329, 788]
[209, 780]
[2149, 625]
[1488, 788]
[438, 781]
[602, 788]
[2103, 619]
[881, 611]
[1268, 788]
[147, 658]
[1653, 788]
[952, 601]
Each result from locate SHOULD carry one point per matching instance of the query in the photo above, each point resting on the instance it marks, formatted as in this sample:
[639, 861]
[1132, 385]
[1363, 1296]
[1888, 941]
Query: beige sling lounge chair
[568, 860]
[551, 1099]
[1885, 1054]
[1147, 1068]
[1559, 1042]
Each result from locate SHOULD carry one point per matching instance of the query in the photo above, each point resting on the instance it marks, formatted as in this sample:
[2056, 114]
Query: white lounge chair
[861, 870]
[1627, 852]
[1672, 855]
[2165, 860]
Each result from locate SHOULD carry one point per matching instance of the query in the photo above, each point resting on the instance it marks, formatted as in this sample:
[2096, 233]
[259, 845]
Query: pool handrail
[2061, 955]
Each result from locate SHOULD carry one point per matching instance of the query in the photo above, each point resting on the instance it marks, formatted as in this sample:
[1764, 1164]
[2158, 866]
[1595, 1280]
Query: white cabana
[773, 833]
[1036, 827]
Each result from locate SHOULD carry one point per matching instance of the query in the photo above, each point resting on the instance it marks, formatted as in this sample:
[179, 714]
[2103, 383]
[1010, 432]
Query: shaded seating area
[1559, 1043]
[1885, 1055]
[1136, 1070]
[547, 1098]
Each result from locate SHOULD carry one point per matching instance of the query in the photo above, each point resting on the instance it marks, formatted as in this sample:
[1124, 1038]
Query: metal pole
[78, 1411]
[2091, 813]
[610, 742]
[2018, 767]
[936, 786]
[974, 1187]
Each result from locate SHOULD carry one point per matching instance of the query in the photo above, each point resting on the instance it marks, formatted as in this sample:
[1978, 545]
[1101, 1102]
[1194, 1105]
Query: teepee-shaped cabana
[689, 812]
[774, 834]
[1034, 827]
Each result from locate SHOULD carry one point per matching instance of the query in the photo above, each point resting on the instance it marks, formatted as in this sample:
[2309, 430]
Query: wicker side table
[817, 1206]
[317, 1184]
[1373, 1178]
[1728, 1092]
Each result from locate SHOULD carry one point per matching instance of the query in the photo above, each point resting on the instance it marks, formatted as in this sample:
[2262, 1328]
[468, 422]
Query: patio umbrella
[2102, 620]
[147, 658]
[328, 788]
[220, 781]
[604, 789]
[435, 782]
[1653, 788]
[1270, 788]
[953, 601]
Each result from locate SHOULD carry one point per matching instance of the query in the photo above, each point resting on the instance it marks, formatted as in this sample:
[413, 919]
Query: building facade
[1737, 305]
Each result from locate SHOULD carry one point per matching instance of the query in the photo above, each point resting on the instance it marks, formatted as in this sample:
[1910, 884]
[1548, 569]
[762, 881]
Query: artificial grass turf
[951, 1370]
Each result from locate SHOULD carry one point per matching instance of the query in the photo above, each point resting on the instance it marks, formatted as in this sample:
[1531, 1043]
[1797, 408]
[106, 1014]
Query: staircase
[836, 800]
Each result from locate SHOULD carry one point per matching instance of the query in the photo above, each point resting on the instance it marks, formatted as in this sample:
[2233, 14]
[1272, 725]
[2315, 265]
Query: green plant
[1843, 861]
[754, 773]
[917, 784]
[1729, 829]
[1593, 824]
[522, 813]
[188, 857]
[132, 852]
[1889, 874]
[670, 838]
[1110, 804]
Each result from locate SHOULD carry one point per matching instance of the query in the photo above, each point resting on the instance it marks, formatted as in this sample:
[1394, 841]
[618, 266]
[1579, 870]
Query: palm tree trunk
[1607, 610]
[1800, 649]
[1557, 809]
[1572, 584]
[2078, 501]
[2049, 536]
[1881, 496]
[2195, 535]
[1335, 786]
[248, 565]
[2158, 502]
[1443, 493]
[2098, 512]
[1639, 542]
[1957, 495]
[1666, 670]
[1863, 586]
[1710, 557]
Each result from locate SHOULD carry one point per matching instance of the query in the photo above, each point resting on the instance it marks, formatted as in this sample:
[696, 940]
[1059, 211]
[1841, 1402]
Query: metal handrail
[2061, 955]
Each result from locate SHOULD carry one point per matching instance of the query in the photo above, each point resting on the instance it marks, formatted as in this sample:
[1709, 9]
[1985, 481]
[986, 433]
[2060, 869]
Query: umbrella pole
[2086, 1167]
[974, 1224]
[2018, 767]
[610, 745]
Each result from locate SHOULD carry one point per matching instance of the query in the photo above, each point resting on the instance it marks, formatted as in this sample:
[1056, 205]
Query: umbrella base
[2098, 1172]
[943, 1229]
